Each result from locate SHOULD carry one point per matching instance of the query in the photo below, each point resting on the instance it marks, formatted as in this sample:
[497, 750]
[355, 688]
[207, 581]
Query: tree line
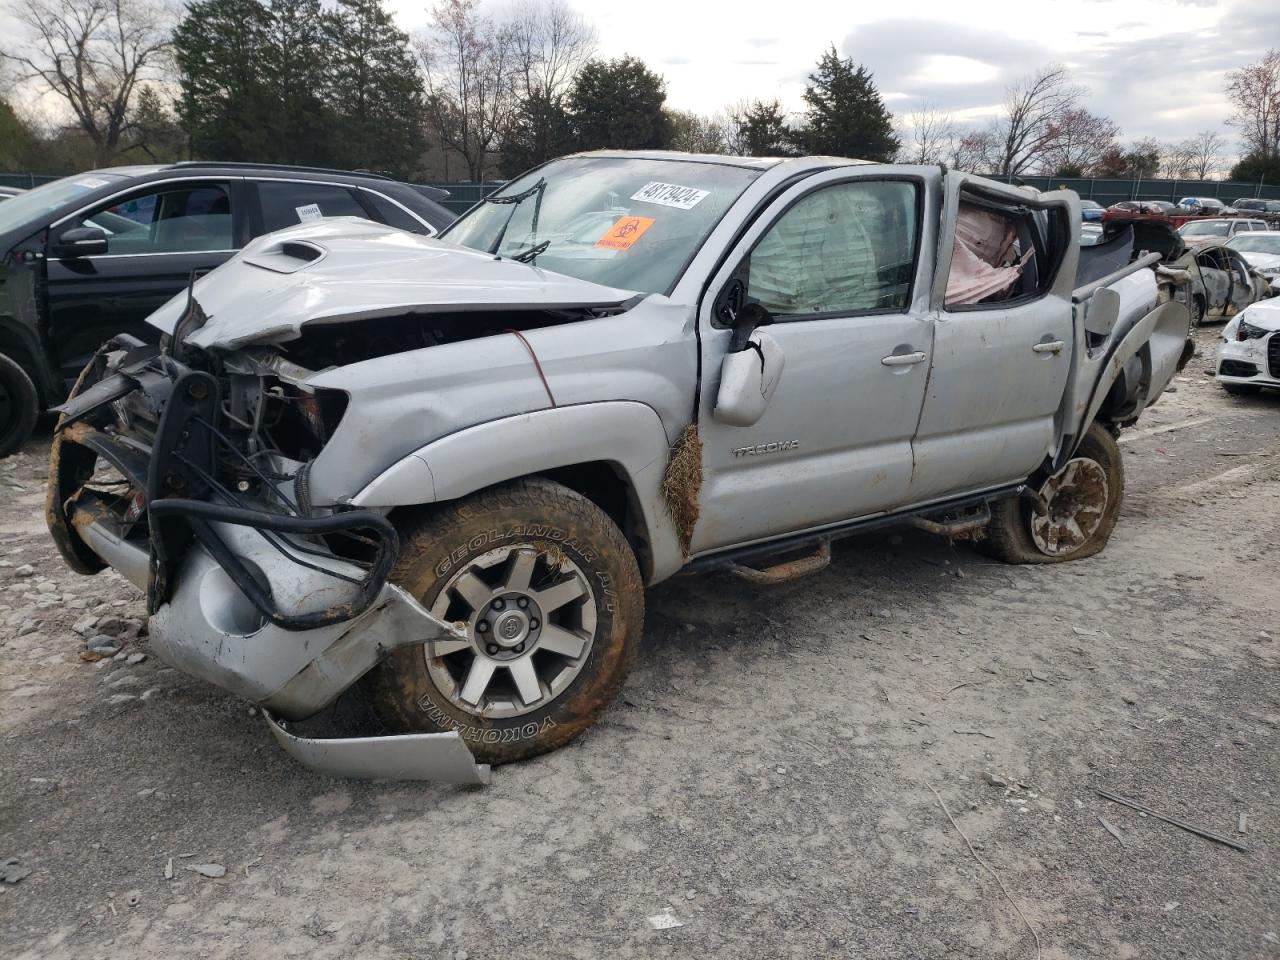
[478, 96]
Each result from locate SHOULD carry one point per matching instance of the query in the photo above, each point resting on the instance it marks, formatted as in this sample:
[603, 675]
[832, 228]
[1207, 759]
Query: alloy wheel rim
[530, 617]
[1074, 502]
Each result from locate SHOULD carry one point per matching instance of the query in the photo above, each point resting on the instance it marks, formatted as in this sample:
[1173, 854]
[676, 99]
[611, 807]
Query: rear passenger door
[1003, 339]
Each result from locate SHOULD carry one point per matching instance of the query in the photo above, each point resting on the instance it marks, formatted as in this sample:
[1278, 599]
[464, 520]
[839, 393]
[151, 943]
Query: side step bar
[954, 524]
[804, 566]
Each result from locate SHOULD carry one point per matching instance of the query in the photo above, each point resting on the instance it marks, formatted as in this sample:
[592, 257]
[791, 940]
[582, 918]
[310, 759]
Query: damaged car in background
[1214, 280]
[1249, 354]
[439, 473]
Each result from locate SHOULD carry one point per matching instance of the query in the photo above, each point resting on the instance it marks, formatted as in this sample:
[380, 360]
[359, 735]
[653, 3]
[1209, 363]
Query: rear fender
[626, 434]
[1143, 362]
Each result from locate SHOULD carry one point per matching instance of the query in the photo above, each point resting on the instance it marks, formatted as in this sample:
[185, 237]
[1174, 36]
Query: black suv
[92, 255]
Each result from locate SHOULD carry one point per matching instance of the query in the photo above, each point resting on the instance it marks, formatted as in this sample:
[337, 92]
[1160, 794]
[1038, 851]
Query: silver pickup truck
[442, 471]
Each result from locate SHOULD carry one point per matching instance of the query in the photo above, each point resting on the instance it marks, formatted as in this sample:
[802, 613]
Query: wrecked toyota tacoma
[441, 472]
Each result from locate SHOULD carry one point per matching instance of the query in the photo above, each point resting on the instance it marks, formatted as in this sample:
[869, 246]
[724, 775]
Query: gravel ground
[765, 782]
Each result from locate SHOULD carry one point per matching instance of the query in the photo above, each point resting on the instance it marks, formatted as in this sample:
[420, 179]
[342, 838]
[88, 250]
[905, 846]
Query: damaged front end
[188, 473]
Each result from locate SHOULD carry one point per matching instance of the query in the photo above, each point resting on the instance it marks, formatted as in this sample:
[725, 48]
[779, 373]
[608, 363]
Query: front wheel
[553, 602]
[1076, 510]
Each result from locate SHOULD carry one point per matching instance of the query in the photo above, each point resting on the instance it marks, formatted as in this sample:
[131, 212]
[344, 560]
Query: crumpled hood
[346, 269]
[1263, 313]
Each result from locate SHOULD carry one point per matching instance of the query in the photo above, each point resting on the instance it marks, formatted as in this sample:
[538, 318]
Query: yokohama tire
[460, 562]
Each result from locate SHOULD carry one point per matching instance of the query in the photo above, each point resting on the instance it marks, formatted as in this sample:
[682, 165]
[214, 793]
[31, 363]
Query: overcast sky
[1156, 67]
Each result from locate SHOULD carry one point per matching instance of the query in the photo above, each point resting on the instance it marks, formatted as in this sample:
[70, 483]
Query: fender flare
[625, 433]
[1162, 333]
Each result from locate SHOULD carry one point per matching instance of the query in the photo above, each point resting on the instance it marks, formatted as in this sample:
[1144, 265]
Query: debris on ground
[1190, 828]
[990, 869]
[11, 870]
[666, 920]
[1111, 829]
[211, 870]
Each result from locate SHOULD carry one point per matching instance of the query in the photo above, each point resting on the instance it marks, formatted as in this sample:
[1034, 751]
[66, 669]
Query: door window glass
[173, 220]
[286, 203]
[394, 215]
[844, 249]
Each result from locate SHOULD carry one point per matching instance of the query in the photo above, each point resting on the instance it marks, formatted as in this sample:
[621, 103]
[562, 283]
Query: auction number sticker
[670, 195]
[308, 213]
[625, 232]
[92, 183]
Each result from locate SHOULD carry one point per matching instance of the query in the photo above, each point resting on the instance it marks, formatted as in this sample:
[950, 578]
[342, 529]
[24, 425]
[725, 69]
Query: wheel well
[604, 484]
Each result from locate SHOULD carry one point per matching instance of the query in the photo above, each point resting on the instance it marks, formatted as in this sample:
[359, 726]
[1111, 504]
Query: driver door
[157, 237]
[836, 261]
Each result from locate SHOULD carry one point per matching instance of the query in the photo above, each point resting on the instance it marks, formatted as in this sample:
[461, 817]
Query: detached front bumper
[241, 595]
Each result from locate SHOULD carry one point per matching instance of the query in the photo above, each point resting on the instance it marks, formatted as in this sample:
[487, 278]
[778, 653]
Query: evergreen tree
[541, 130]
[225, 106]
[17, 140]
[760, 130]
[156, 134]
[1256, 168]
[845, 116]
[376, 90]
[296, 62]
[619, 104]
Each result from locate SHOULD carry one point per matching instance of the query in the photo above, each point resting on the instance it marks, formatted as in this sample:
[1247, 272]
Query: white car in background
[1196, 233]
[1262, 252]
[1249, 356]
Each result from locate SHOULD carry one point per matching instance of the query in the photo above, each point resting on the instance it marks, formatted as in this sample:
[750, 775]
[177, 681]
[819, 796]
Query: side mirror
[748, 378]
[81, 242]
[1104, 311]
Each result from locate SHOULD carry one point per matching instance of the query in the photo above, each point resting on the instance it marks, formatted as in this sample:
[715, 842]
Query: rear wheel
[1075, 513]
[19, 406]
[553, 602]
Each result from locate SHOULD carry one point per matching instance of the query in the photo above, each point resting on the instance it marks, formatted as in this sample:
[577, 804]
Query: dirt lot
[765, 781]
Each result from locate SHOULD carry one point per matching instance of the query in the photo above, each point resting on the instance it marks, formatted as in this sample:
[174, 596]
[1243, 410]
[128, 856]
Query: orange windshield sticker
[625, 232]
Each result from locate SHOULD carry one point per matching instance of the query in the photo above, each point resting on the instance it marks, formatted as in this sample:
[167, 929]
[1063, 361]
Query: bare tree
[470, 64]
[695, 133]
[92, 55]
[1033, 112]
[1176, 160]
[1075, 143]
[1255, 93]
[928, 135]
[1203, 154]
[977, 151]
[551, 43]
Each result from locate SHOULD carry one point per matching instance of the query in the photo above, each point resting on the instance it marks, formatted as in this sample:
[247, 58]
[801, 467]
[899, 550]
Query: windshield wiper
[525, 256]
[515, 202]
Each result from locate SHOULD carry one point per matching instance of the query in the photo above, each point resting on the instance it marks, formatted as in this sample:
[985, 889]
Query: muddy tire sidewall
[543, 515]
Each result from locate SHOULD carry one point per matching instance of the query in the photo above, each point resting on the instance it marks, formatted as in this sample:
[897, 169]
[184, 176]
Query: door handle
[902, 359]
[1053, 346]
